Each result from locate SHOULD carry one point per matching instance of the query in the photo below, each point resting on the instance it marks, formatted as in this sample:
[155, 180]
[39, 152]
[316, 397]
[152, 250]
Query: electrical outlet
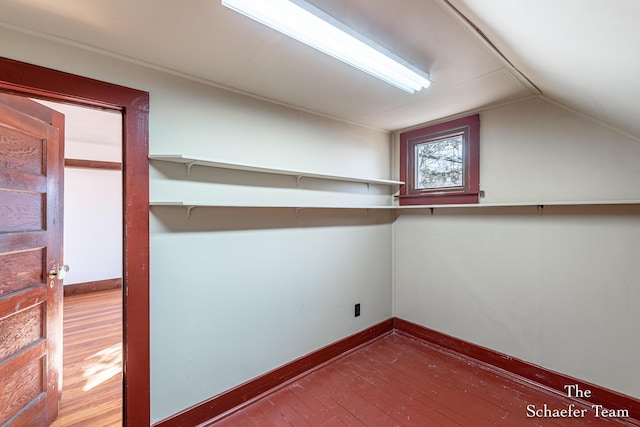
[357, 310]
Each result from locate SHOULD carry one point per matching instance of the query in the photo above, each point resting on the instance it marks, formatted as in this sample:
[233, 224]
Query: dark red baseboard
[518, 369]
[243, 393]
[88, 287]
[524, 370]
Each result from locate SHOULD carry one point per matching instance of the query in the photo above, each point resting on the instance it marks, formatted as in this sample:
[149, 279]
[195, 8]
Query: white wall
[92, 225]
[238, 292]
[92, 205]
[559, 289]
[93, 151]
[256, 288]
[537, 151]
[235, 293]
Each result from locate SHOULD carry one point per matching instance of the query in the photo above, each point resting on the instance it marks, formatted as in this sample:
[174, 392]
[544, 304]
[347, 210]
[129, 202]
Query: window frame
[469, 192]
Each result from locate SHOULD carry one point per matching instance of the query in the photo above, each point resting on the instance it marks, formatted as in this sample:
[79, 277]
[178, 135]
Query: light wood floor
[92, 373]
[399, 381]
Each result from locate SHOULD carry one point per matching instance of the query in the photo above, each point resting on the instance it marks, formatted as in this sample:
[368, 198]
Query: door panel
[24, 328]
[20, 270]
[24, 383]
[21, 152]
[22, 211]
[30, 246]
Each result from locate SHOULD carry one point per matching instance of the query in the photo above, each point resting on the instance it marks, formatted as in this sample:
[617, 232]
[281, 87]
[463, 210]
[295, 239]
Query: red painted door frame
[35, 81]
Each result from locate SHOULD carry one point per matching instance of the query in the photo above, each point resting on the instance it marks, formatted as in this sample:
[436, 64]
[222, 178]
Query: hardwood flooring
[393, 381]
[400, 381]
[92, 372]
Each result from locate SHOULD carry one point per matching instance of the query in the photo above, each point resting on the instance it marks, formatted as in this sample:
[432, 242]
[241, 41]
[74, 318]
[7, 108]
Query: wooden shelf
[190, 161]
[186, 203]
[189, 206]
[249, 205]
[524, 204]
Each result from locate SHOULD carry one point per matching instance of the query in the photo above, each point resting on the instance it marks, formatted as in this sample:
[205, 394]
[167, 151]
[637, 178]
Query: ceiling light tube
[310, 25]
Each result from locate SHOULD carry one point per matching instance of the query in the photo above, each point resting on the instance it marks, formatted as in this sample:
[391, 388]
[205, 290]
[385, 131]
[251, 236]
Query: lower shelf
[193, 204]
[189, 206]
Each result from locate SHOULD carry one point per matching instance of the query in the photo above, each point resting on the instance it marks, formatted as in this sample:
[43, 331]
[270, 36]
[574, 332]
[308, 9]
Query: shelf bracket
[298, 211]
[298, 178]
[189, 166]
[189, 209]
[368, 186]
[431, 210]
[540, 209]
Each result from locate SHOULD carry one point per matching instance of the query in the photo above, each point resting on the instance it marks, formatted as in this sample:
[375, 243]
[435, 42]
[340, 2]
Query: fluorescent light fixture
[310, 25]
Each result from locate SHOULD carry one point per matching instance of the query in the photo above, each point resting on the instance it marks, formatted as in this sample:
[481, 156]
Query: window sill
[466, 198]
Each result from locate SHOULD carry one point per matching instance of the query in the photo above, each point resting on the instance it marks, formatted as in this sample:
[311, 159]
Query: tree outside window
[440, 163]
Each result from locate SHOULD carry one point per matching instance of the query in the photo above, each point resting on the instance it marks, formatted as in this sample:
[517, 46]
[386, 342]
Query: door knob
[58, 271]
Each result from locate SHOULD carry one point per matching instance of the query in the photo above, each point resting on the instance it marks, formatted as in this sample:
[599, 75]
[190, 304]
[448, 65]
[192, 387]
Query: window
[440, 164]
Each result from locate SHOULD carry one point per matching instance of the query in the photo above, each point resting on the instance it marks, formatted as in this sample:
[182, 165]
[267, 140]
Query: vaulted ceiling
[579, 53]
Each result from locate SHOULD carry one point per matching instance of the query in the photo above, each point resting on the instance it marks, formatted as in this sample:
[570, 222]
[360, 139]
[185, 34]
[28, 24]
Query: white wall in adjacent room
[92, 225]
[92, 197]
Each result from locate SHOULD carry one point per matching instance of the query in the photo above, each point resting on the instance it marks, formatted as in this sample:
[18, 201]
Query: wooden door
[31, 170]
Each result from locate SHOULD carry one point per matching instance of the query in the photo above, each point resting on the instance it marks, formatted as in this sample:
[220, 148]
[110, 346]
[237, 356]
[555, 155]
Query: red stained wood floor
[401, 381]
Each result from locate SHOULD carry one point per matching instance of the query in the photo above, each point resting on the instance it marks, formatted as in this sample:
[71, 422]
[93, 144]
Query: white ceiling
[580, 53]
[89, 125]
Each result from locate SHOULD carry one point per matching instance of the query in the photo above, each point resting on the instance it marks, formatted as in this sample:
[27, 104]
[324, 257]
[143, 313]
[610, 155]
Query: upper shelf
[190, 161]
[204, 204]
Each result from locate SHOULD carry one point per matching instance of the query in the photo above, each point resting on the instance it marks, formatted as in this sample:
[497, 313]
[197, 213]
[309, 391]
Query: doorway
[34, 81]
[92, 247]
